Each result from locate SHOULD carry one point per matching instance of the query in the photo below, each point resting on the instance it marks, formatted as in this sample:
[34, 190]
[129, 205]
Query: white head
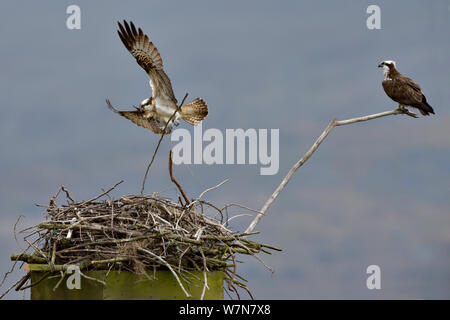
[386, 65]
[146, 102]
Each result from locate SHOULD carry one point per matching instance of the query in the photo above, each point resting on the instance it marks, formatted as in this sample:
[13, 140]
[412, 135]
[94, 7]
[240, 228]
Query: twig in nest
[23, 281]
[102, 194]
[175, 181]
[92, 278]
[63, 274]
[249, 292]
[242, 207]
[37, 249]
[205, 276]
[15, 232]
[67, 193]
[52, 199]
[212, 188]
[169, 267]
[45, 276]
[159, 143]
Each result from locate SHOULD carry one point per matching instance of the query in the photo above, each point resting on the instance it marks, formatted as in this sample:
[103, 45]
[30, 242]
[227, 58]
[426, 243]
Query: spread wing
[138, 118]
[148, 57]
[140, 46]
[148, 123]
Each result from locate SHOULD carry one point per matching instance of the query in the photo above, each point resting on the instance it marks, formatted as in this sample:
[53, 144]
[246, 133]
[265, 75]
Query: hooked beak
[380, 65]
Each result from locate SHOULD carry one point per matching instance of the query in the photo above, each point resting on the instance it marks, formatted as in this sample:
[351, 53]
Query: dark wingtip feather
[124, 41]
[133, 29]
[108, 103]
[122, 30]
[127, 28]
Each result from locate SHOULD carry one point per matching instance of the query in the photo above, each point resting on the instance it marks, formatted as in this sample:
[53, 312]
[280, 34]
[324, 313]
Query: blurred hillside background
[374, 193]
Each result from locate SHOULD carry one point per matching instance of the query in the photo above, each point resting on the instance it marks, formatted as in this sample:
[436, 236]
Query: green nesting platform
[125, 285]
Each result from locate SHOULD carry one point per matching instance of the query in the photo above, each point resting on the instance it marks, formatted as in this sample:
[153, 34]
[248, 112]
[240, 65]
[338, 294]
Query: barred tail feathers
[194, 112]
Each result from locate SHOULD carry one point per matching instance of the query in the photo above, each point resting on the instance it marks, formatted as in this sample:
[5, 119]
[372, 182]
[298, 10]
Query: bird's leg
[176, 120]
[403, 110]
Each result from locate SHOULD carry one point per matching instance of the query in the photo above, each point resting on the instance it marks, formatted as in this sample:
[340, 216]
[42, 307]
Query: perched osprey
[154, 112]
[403, 90]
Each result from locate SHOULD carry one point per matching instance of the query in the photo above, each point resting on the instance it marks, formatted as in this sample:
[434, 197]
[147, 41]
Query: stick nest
[139, 233]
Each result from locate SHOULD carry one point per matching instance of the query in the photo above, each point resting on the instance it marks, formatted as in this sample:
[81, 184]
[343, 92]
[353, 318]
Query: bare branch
[314, 147]
[175, 181]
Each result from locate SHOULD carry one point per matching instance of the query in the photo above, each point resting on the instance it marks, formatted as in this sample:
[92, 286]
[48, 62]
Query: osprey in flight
[155, 112]
[403, 90]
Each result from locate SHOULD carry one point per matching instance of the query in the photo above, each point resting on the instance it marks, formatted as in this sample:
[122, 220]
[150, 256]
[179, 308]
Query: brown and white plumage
[155, 112]
[139, 118]
[195, 111]
[403, 90]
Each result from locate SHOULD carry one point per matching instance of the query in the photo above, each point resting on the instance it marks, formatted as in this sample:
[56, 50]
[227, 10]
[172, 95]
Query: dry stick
[315, 146]
[212, 188]
[15, 233]
[63, 275]
[10, 288]
[12, 269]
[205, 276]
[23, 281]
[181, 256]
[236, 216]
[53, 199]
[92, 279]
[37, 249]
[45, 276]
[102, 194]
[249, 292]
[175, 181]
[242, 207]
[67, 193]
[159, 143]
[168, 266]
